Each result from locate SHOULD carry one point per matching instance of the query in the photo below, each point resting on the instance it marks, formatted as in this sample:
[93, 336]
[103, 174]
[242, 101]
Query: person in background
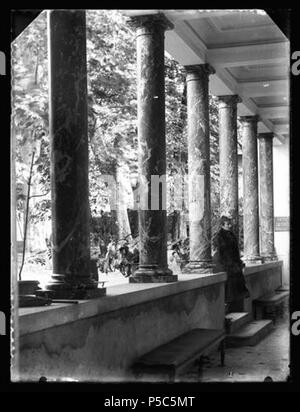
[227, 258]
[110, 256]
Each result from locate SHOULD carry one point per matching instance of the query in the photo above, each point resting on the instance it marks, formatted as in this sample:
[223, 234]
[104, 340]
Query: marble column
[228, 159]
[267, 249]
[250, 189]
[69, 157]
[153, 264]
[199, 169]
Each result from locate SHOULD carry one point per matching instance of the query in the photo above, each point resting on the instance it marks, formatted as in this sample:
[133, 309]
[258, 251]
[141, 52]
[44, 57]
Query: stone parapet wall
[262, 279]
[98, 340]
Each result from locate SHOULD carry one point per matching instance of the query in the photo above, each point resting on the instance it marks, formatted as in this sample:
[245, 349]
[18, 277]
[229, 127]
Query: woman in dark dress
[228, 259]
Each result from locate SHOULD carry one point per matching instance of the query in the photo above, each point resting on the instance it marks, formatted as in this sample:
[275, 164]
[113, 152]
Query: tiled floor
[270, 357]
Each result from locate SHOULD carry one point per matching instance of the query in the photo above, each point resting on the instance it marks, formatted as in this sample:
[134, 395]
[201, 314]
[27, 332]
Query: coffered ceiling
[249, 53]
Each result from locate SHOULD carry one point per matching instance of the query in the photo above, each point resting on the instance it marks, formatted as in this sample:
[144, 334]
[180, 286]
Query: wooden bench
[271, 305]
[173, 357]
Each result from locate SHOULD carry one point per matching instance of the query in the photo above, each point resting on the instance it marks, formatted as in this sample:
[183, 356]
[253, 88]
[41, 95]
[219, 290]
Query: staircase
[271, 306]
[243, 331]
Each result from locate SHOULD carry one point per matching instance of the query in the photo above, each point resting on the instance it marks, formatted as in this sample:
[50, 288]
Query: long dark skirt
[235, 287]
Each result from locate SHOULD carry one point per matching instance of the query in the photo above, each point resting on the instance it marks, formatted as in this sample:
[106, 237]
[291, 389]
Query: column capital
[249, 119]
[150, 22]
[196, 70]
[268, 135]
[228, 100]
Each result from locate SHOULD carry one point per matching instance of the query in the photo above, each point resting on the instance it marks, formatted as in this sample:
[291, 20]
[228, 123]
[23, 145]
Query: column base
[62, 287]
[152, 274]
[196, 267]
[28, 287]
[252, 260]
[269, 258]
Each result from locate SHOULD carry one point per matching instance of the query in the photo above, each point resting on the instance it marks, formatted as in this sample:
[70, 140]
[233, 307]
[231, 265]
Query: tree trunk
[182, 228]
[121, 206]
[27, 215]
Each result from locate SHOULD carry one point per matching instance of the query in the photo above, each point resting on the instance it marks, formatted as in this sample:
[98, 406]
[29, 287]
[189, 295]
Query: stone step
[249, 334]
[283, 289]
[272, 299]
[271, 306]
[235, 320]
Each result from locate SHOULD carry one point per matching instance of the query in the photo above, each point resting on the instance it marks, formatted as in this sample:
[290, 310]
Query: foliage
[112, 99]
[30, 113]
[39, 258]
[112, 111]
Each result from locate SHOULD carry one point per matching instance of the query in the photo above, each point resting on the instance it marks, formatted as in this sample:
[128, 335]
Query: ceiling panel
[244, 27]
[249, 53]
[259, 72]
[263, 101]
[242, 20]
[281, 120]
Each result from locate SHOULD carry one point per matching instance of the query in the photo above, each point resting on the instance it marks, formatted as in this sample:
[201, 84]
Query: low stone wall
[262, 279]
[98, 340]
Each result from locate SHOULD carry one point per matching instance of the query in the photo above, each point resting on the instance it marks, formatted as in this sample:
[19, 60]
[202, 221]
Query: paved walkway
[270, 357]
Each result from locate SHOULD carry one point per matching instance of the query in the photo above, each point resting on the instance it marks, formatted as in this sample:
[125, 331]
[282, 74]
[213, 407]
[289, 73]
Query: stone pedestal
[199, 169]
[229, 197]
[153, 264]
[267, 250]
[69, 157]
[250, 189]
